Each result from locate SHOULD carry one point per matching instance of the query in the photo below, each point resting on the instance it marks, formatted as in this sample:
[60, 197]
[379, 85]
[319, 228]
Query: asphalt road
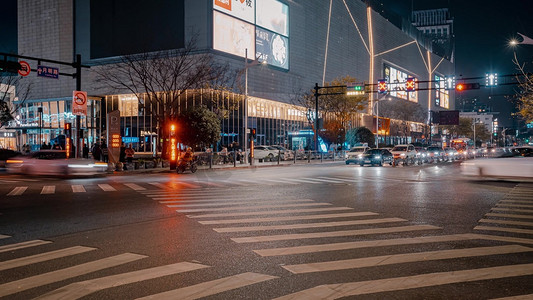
[318, 231]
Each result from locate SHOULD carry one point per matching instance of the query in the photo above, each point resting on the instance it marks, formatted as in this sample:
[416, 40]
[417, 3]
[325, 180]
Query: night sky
[483, 29]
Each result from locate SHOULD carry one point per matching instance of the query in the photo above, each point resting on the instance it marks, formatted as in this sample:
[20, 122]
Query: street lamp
[525, 40]
[247, 65]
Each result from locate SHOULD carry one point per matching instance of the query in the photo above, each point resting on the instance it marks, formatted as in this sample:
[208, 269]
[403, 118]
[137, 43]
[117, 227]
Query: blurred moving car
[518, 168]
[375, 157]
[352, 156]
[6, 154]
[525, 151]
[53, 162]
[266, 153]
[451, 154]
[404, 153]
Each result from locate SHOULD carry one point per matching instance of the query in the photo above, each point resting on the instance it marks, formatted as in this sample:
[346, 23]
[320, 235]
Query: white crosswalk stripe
[18, 191]
[503, 229]
[24, 261]
[48, 189]
[4, 237]
[249, 207]
[509, 216]
[506, 222]
[135, 187]
[27, 244]
[226, 203]
[270, 212]
[291, 218]
[212, 287]
[77, 188]
[80, 289]
[17, 286]
[106, 187]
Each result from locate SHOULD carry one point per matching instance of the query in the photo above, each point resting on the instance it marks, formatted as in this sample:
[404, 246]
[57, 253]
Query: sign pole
[77, 64]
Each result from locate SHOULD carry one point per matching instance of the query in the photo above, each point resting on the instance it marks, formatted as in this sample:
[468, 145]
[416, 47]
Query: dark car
[436, 153]
[376, 157]
[6, 154]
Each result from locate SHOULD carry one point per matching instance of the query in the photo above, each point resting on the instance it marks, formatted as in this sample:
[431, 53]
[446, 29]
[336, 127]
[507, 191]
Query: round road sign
[80, 98]
[24, 68]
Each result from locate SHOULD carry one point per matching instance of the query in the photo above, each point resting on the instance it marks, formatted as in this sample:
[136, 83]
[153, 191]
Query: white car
[266, 153]
[353, 156]
[520, 168]
[404, 153]
[286, 154]
[53, 162]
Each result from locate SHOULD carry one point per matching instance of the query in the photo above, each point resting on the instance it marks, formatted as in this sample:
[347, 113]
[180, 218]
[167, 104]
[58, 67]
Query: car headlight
[403, 154]
[377, 156]
[360, 155]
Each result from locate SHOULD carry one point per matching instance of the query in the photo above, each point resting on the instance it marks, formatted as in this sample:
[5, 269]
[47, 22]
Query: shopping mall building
[304, 42]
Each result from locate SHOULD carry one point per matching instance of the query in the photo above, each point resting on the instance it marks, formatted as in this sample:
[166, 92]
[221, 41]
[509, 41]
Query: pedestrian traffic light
[68, 129]
[382, 86]
[466, 86]
[9, 66]
[410, 84]
[68, 134]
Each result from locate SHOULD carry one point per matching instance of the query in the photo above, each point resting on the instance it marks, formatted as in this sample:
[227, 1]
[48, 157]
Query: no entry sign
[24, 68]
[79, 103]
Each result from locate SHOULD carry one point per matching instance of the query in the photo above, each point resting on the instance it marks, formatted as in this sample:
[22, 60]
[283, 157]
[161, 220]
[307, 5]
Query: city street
[314, 231]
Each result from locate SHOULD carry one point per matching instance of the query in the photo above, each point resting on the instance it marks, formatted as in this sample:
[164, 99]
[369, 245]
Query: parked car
[267, 153]
[352, 156]
[405, 154]
[53, 162]
[285, 153]
[436, 154]
[376, 157]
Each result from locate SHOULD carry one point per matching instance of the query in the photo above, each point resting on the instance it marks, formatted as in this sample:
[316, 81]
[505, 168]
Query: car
[352, 156]
[6, 154]
[436, 154]
[451, 154]
[375, 157]
[507, 168]
[285, 153]
[263, 152]
[53, 162]
[525, 151]
[422, 155]
[405, 154]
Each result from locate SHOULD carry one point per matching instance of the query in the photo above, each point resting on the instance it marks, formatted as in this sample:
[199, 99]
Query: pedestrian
[85, 151]
[129, 154]
[122, 156]
[96, 151]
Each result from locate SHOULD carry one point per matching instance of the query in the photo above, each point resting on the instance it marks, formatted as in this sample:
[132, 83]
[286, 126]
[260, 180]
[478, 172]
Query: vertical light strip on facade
[327, 44]
[371, 44]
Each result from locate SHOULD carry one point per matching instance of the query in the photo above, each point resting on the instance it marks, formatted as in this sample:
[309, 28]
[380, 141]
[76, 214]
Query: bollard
[279, 156]
[309, 156]
[234, 159]
[295, 153]
[210, 159]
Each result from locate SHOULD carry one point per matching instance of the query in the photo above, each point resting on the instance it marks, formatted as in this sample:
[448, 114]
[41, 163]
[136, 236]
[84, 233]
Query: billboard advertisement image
[273, 15]
[242, 9]
[272, 48]
[232, 35]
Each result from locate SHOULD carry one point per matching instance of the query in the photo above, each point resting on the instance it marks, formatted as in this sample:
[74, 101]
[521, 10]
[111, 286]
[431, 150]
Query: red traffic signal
[466, 86]
[382, 86]
[410, 84]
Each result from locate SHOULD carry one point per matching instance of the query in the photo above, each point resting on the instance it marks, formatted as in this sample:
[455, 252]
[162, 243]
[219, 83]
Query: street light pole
[377, 121]
[40, 111]
[246, 105]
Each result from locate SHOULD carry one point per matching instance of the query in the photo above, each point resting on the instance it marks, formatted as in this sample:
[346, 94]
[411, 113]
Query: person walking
[105, 153]
[129, 154]
[96, 152]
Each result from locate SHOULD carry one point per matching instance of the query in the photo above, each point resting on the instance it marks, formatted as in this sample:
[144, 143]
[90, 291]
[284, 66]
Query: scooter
[184, 166]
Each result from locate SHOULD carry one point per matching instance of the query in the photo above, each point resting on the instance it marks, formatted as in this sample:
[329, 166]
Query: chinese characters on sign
[50, 72]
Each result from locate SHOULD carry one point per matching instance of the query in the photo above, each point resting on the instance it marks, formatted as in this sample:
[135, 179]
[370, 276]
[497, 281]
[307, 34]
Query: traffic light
[382, 86]
[252, 133]
[466, 86]
[173, 146]
[9, 66]
[449, 82]
[68, 134]
[491, 79]
[410, 84]
[354, 90]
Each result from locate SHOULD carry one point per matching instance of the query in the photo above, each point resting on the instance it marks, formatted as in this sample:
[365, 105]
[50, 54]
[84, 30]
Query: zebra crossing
[262, 223]
[84, 288]
[49, 189]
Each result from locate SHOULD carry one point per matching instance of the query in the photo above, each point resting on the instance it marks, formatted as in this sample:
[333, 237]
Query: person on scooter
[188, 156]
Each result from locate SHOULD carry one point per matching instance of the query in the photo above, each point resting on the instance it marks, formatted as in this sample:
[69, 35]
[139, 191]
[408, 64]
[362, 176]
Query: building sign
[50, 72]
[397, 80]
[442, 97]
[129, 139]
[241, 9]
[272, 48]
[273, 15]
[232, 35]
[113, 135]
[79, 103]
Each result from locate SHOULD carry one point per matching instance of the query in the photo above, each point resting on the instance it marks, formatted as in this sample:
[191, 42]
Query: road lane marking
[298, 236]
[279, 181]
[363, 244]
[18, 191]
[4, 237]
[78, 188]
[221, 203]
[504, 229]
[212, 287]
[24, 261]
[251, 207]
[504, 239]
[309, 225]
[517, 201]
[22, 245]
[210, 183]
[519, 297]
[135, 187]
[514, 205]
[48, 189]
[512, 209]
[374, 261]
[509, 216]
[335, 291]
[106, 187]
[80, 289]
[71, 272]
[506, 222]
[290, 218]
[214, 200]
[271, 212]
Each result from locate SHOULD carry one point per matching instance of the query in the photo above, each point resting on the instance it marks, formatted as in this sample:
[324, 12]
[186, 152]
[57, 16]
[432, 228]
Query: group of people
[100, 152]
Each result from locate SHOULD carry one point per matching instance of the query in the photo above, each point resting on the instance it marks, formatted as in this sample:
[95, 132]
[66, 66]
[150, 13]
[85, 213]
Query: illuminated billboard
[397, 79]
[442, 97]
[232, 35]
[272, 15]
[272, 47]
[242, 9]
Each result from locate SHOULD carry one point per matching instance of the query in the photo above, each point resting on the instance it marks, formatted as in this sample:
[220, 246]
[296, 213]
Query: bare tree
[160, 79]
[12, 86]
[525, 98]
